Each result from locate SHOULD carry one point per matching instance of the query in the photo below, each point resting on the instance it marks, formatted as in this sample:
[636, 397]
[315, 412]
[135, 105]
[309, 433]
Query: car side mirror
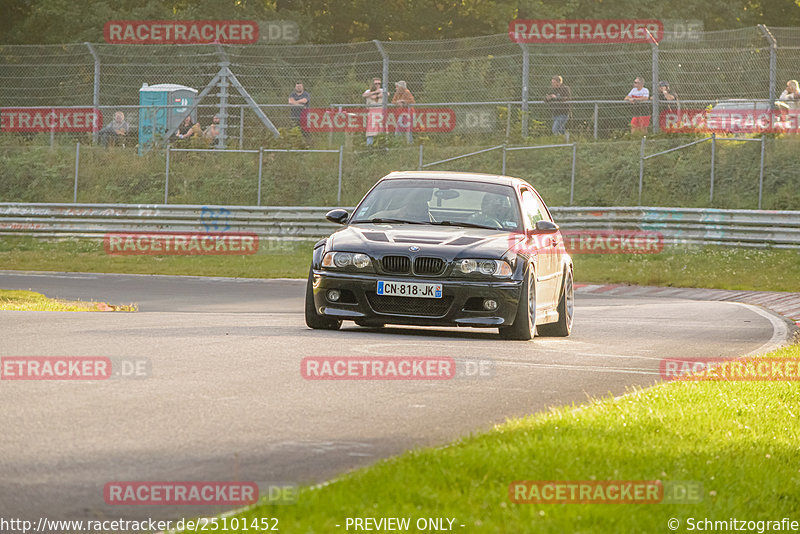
[338, 216]
[545, 227]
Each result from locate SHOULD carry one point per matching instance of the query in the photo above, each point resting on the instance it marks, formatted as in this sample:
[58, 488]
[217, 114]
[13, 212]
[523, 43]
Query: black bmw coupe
[444, 249]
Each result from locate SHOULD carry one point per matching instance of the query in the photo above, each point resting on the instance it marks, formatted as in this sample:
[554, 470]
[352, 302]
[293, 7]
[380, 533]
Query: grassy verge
[738, 439]
[723, 268]
[17, 300]
[607, 174]
[274, 260]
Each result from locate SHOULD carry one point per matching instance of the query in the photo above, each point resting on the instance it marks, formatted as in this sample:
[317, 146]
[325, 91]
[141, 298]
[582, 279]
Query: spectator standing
[374, 102]
[118, 128]
[639, 96]
[559, 97]
[668, 96]
[403, 99]
[212, 131]
[299, 99]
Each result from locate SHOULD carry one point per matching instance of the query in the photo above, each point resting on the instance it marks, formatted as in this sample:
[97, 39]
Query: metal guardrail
[692, 226]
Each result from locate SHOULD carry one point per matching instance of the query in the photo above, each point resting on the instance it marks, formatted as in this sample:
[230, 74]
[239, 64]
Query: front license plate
[410, 289]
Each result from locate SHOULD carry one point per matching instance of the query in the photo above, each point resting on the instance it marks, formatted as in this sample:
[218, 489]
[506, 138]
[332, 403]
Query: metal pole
[641, 168]
[241, 126]
[77, 166]
[385, 77]
[596, 108]
[223, 107]
[773, 60]
[761, 174]
[260, 167]
[166, 182]
[96, 89]
[572, 178]
[420, 158]
[508, 122]
[339, 191]
[53, 131]
[654, 45]
[713, 157]
[525, 77]
[504, 160]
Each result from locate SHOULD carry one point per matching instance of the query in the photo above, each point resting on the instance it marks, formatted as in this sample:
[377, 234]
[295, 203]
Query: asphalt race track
[226, 401]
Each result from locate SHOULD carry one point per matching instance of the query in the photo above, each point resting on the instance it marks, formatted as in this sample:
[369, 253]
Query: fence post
[260, 167]
[641, 168]
[508, 121]
[419, 168]
[596, 108]
[241, 126]
[166, 182]
[713, 158]
[773, 60]
[654, 47]
[504, 160]
[525, 75]
[53, 130]
[572, 178]
[339, 191]
[96, 89]
[761, 173]
[77, 166]
[385, 76]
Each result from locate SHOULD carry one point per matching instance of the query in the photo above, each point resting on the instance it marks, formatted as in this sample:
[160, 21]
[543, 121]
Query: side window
[534, 211]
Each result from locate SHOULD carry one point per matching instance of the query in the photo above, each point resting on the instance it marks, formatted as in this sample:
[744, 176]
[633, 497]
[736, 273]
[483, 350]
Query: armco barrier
[695, 226]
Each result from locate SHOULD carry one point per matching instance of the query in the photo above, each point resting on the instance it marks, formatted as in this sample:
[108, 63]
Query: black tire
[566, 310]
[524, 326]
[313, 319]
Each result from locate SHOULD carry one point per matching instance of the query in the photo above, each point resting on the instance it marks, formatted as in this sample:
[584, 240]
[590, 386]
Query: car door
[549, 259]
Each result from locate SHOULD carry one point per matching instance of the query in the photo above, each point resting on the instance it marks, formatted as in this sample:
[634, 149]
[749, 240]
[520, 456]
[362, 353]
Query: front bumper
[460, 305]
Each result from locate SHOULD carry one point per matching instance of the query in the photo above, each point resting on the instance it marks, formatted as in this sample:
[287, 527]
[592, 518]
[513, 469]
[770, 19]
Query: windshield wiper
[383, 220]
[470, 225]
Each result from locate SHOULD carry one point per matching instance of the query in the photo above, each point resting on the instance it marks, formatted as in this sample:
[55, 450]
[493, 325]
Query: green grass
[19, 300]
[738, 439]
[607, 173]
[273, 260]
[713, 267]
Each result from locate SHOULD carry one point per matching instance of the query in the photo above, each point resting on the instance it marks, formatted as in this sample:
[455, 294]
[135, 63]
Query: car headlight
[345, 260]
[497, 268]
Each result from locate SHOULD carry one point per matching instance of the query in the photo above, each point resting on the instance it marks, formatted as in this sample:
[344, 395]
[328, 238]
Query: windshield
[444, 202]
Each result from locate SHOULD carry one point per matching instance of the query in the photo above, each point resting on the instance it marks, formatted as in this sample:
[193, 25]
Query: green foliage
[322, 21]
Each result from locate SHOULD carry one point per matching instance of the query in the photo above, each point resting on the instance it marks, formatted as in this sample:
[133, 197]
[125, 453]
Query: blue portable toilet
[155, 119]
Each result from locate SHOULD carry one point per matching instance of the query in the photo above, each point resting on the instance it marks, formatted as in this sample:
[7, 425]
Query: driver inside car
[495, 212]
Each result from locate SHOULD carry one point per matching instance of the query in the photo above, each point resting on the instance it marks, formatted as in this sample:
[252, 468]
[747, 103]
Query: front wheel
[313, 319]
[524, 326]
[566, 307]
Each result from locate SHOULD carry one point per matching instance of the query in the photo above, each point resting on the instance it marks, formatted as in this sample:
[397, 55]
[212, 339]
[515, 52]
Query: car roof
[450, 175]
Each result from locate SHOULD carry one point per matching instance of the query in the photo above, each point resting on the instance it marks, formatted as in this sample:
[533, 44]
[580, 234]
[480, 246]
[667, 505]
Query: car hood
[446, 242]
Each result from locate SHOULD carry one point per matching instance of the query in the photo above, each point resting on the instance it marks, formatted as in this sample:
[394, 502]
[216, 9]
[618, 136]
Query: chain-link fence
[496, 86]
